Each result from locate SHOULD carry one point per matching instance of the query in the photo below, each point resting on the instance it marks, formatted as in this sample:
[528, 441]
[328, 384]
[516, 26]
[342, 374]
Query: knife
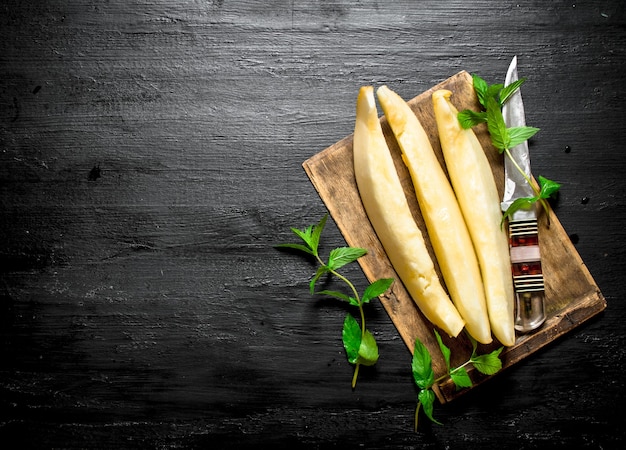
[523, 230]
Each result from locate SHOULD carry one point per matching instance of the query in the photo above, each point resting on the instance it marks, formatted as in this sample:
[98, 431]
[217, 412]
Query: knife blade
[523, 230]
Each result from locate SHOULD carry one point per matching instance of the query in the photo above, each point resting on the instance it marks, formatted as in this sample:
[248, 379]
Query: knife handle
[527, 275]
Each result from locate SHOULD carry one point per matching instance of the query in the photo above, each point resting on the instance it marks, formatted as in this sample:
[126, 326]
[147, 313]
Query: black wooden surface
[150, 159]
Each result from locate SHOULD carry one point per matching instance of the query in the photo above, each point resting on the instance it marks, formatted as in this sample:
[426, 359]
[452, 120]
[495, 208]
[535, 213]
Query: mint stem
[361, 312]
[417, 412]
[356, 374]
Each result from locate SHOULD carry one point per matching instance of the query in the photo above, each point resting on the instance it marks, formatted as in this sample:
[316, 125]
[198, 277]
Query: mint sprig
[547, 188]
[359, 343]
[424, 376]
[492, 98]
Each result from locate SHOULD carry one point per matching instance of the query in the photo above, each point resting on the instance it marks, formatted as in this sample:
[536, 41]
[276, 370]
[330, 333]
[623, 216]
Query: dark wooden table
[150, 159]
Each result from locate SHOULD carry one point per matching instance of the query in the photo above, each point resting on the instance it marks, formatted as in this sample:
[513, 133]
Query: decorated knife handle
[527, 275]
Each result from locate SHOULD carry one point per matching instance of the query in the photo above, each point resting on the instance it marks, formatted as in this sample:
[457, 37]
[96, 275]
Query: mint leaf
[518, 135]
[375, 289]
[311, 237]
[341, 256]
[548, 187]
[339, 295]
[488, 364]
[506, 92]
[321, 270]
[444, 349]
[314, 239]
[422, 367]
[351, 336]
[481, 88]
[368, 350]
[496, 126]
[427, 398]
[493, 91]
[518, 204]
[300, 247]
[304, 234]
[460, 378]
[360, 348]
[468, 118]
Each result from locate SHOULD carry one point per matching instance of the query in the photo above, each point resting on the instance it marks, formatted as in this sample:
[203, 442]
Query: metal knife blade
[523, 230]
[515, 185]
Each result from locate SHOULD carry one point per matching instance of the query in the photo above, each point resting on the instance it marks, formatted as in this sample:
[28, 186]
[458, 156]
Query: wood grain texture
[151, 155]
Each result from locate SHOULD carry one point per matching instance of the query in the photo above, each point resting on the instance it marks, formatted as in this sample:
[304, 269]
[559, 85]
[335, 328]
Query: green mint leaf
[548, 187]
[360, 349]
[468, 118]
[351, 336]
[316, 232]
[375, 289]
[460, 378]
[310, 235]
[520, 134]
[488, 364]
[508, 91]
[368, 350]
[422, 367]
[481, 88]
[321, 270]
[493, 91]
[496, 126]
[339, 295]
[444, 349]
[341, 256]
[427, 398]
[300, 247]
[305, 234]
[518, 204]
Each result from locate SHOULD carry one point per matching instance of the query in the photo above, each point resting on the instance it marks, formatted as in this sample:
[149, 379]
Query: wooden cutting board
[572, 296]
